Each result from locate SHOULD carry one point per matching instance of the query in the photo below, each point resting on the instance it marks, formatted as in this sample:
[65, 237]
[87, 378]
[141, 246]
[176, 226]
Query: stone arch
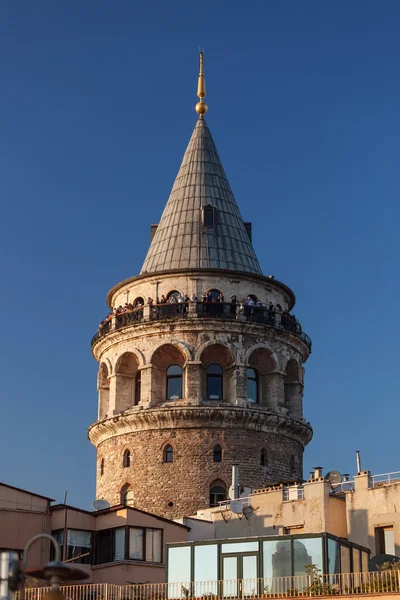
[126, 368]
[163, 357]
[270, 383]
[103, 386]
[272, 353]
[126, 488]
[218, 492]
[220, 355]
[293, 389]
[126, 458]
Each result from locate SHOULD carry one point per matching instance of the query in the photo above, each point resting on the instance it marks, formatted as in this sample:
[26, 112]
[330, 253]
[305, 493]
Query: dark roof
[94, 513]
[12, 487]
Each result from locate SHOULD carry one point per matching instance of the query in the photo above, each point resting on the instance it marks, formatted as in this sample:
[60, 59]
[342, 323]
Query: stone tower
[187, 389]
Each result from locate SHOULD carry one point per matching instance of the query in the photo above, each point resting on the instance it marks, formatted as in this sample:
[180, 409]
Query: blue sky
[96, 111]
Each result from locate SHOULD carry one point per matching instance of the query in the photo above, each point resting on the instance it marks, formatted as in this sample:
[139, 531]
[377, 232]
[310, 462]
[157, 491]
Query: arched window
[126, 462]
[174, 382]
[214, 382]
[138, 302]
[102, 467]
[208, 216]
[168, 454]
[218, 492]
[129, 498]
[215, 294]
[292, 464]
[253, 297]
[138, 387]
[252, 385]
[217, 453]
[264, 458]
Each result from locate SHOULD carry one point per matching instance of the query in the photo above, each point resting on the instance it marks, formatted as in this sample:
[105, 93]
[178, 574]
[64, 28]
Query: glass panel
[307, 551]
[388, 534]
[104, 547]
[249, 574]
[179, 564]
[136, 543]
[277, 559]
[174, 370]
[153, 545]
[214, 370]
[205, 569]
[251, 390]
[119, 544]
[365, 562]
[345, 566]
[174, 391]
[333, 557]
[230, 575]
[240, 547]
[214, 387]
[356, 560]
[79, 543]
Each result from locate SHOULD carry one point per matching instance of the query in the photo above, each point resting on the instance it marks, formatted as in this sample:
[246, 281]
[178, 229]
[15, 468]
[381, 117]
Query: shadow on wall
[358, 529]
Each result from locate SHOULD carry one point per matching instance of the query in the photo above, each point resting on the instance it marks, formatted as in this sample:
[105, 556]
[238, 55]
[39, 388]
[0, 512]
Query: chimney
[235, 482]
[358, 459]
[317, 472]
[311, 475]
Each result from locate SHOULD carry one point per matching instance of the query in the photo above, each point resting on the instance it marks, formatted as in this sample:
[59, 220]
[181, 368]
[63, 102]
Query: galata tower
[200, 360]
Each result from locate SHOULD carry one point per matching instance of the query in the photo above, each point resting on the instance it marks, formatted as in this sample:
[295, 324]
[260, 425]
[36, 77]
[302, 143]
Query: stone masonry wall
[186, 481]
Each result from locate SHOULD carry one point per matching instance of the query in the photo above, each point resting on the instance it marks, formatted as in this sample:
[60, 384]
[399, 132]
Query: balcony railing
[341, 584]
[211, 310]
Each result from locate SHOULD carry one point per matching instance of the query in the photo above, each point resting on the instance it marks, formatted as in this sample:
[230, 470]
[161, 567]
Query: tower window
[209, 216]
[217, 492]
[174, 382]
[217, 453]
[138, 387]
[214, 382]
[252, 385]
[264, 458]
[127, 459]
[168, 454]
[129, 498]
[102, 467]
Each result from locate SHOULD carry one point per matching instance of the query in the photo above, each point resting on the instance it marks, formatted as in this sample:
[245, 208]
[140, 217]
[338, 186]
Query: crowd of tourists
[180, 303]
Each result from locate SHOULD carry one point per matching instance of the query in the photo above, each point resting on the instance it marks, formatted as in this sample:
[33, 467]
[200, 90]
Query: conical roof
[182, 240]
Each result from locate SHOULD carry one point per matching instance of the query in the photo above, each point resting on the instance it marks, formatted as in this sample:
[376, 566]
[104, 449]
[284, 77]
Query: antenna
[334, 478]
[100, 504]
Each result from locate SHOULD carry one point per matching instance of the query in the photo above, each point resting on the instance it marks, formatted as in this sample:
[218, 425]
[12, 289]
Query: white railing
[293, 493]
[345, 584]
[245, 502]
[385, 478]
[343, 486]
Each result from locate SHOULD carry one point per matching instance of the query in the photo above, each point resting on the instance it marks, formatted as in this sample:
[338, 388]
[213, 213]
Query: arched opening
[264, 458]
[164, 357]
[218, 492]
[127, 495]
[126, 461]
[104, 391]
[252, 385]
[174, 382]
[138, 388]
[253, 297]
[218, 380]
[293, 389]
[138, 302]
[168, 454]
[125, 373]
[102, 467]
[215, 382]
[214, 294]
[173, 295]
[217, 454]
[263, 384]
[292, 465]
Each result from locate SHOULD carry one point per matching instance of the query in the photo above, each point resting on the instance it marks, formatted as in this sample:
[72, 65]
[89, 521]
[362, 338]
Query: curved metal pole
[40, 536]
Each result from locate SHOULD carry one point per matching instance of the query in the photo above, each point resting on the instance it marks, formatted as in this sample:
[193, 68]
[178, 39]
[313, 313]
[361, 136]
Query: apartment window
[79, 545]
[153, 545]
[129, 543]
[384, 537]
[110, 546]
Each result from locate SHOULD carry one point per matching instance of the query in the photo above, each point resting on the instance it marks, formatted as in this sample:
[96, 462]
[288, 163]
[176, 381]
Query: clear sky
[96, 110]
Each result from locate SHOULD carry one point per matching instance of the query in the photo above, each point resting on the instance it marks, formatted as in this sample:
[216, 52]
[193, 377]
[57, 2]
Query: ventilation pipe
[358, 459]
[235, 482]
[317, 472]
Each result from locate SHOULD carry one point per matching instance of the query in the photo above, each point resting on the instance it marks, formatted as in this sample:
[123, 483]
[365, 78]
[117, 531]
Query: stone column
[146, 391]
[276, 391]
[192, 382]
[112, 404]
[239, 396]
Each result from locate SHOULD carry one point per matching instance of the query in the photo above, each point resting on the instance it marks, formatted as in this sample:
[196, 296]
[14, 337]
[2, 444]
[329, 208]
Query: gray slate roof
[181, 241]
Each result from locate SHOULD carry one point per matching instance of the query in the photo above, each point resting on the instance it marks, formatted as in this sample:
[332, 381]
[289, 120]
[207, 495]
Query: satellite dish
[236, 507]
[100, 504]
[334, 477]
[378, 560]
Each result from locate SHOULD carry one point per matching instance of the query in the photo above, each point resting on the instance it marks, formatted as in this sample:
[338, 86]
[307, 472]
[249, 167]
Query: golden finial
[201, 107]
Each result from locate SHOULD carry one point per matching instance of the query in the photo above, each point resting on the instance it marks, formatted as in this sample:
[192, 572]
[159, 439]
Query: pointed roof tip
[185, 238]
[201, 107]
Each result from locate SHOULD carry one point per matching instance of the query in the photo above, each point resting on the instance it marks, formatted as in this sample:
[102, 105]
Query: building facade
[205, 380]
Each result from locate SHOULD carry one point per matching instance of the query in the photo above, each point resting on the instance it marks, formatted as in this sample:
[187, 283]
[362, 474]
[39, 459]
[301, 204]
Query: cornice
[197, 417]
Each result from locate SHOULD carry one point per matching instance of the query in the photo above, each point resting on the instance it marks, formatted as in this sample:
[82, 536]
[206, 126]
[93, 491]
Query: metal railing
[129, 317]
[344, 584]
[385, 478]
[227, 310]
[170, 310]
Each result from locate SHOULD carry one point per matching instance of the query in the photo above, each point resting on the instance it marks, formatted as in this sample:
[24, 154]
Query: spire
[201, 226]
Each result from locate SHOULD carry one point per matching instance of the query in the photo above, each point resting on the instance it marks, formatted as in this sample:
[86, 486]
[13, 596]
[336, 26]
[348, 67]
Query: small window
[214, 382]
[384, 538]
[129, 498]
[264, 458]
[252, 385]
[102, 467]
[218, 493]
[209, 216]
[168, 454]
[217, 453]
[127, 459]
[292, 464]
[174, 382]
[138, 387]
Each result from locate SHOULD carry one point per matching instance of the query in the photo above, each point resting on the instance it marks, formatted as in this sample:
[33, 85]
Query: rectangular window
[179, 561]
[153, 545]
[208, 216]
[142, 544]
[110, 545]
[345, 559]
[136, 543]
[333, 557]
[384, 539]
[306, 551]
[79, 545]
[277, 560]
